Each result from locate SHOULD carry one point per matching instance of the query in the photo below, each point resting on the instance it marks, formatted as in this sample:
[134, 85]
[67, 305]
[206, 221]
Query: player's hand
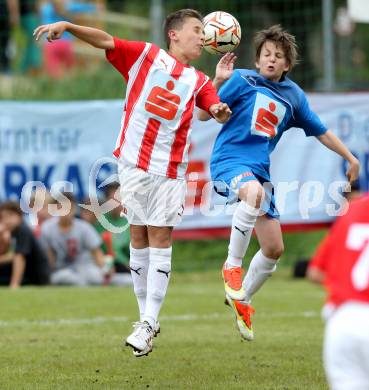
[224, 69]
[54, 31]
[221, 112]
[353, 169]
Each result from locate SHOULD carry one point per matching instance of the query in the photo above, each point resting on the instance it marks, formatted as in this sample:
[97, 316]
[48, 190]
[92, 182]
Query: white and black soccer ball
[222, 32]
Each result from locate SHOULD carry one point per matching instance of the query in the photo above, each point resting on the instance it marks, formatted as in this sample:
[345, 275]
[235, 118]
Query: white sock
[157, 282]
[139, 265]
[261, 267]
[243, 223]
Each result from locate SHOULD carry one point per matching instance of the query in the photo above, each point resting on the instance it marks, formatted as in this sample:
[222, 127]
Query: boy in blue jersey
[265, 103]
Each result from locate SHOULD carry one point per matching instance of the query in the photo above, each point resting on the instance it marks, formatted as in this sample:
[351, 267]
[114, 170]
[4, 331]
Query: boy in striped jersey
[152, 148]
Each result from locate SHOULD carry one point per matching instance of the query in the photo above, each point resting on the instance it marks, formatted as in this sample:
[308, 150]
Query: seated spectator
[6, 255]
[4, 240]
[25, 261]
[114, 246]
[40, 201]
[73, 246]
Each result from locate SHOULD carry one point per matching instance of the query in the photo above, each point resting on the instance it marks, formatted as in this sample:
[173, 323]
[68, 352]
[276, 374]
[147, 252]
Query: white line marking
[183, 317]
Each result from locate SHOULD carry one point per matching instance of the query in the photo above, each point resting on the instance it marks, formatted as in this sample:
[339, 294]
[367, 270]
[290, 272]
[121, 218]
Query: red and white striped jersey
[158, 111]
[343, 256]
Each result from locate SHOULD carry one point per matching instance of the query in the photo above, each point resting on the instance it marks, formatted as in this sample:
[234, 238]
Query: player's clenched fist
[54, 31]
[221, 112]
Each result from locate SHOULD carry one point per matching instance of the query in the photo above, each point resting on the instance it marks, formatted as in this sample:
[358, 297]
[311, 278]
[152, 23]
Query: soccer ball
[222, 32]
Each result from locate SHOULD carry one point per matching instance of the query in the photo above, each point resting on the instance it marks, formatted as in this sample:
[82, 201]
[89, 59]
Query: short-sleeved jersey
[261, 111]
[343, 256]
[70, 247]
[160, 99]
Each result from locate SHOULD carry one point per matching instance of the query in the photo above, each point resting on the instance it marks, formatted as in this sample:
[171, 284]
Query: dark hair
[11, 206]
[60, 198]
[111, 187]
[175, 21]
[281, 38]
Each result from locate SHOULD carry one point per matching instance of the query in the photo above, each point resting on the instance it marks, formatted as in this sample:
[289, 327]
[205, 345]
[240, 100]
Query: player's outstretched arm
[95, 37]
[332, 142]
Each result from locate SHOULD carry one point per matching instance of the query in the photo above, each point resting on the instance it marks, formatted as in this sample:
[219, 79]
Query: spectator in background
[31, 54]
[9, 18]
[6, 255]
[342, 265]
[59, 55]
[73, 247]
[4, 240]
[29, 263]
[40, 214]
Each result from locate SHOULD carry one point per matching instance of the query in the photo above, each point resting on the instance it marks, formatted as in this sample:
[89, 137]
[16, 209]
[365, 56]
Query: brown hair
[281, 38]
[11, 206]
[175, 21]
[60, 198]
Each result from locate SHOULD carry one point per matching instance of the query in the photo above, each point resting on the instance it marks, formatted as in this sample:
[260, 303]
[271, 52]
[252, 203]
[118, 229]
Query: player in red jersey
[342, 265]
[152, 148]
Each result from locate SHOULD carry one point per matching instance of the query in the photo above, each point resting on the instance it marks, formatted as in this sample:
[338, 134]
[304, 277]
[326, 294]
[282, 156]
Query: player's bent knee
[274, 252]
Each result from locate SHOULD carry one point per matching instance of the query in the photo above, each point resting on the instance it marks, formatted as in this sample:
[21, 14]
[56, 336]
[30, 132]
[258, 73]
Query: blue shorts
[227, 184]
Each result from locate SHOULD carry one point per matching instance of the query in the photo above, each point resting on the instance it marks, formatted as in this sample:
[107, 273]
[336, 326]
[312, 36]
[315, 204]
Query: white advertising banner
[72, 142]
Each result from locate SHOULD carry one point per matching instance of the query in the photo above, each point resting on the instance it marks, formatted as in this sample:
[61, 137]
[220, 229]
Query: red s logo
[162, 102]
[266, 121]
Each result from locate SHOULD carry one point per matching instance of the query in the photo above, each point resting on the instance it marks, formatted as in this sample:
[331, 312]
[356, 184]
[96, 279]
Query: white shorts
[346, 347]
[149, 199]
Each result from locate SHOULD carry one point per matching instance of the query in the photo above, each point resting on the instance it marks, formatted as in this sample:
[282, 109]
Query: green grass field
[69, 338]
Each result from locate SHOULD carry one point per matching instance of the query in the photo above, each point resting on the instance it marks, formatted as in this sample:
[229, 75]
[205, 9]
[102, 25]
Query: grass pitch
[69, 338]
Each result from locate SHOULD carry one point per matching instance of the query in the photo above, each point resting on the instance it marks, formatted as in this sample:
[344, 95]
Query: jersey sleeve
[207, 96]
[229, 91]
[124, 55]
[307, 120]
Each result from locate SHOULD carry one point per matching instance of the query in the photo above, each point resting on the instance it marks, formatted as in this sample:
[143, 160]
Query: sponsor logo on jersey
[162, 102]
[267, 115]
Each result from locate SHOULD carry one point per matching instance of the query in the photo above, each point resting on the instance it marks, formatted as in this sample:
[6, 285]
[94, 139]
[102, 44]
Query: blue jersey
[262, 111]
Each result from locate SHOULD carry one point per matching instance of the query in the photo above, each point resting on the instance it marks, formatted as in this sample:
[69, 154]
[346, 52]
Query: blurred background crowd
[69, 69]
[61, 243]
